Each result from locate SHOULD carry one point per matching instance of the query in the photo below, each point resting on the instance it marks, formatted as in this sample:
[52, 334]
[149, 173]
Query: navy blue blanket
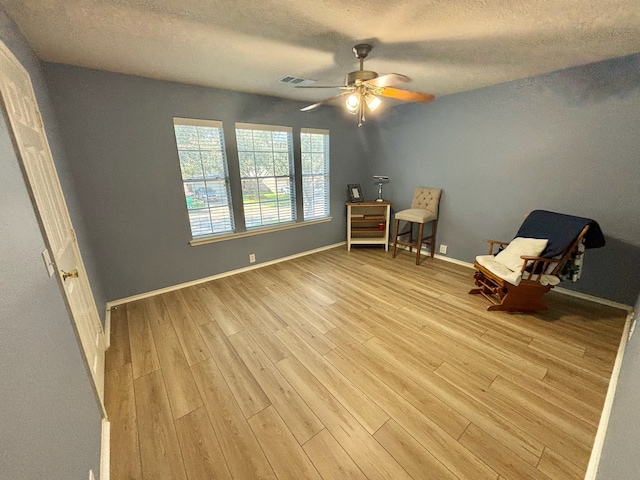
[561, 230]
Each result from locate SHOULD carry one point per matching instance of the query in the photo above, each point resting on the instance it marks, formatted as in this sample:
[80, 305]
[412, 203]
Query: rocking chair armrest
[494, 242]
[539, 264]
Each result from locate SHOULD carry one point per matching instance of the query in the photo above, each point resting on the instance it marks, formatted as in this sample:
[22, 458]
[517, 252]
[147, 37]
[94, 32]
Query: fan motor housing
[359, 76]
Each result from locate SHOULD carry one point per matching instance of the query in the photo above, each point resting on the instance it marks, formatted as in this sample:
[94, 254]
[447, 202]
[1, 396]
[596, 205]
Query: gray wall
[118, 133]
[567, 142]
[620, 459]
[49, 418]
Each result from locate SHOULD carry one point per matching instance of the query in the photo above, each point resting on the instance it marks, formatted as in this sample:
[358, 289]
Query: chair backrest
[426, 198]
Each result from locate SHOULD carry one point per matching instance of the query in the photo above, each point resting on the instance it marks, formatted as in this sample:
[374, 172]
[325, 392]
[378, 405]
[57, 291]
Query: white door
[33, 149]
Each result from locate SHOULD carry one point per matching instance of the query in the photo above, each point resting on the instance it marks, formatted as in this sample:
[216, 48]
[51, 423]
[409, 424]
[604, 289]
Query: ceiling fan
[364, 87]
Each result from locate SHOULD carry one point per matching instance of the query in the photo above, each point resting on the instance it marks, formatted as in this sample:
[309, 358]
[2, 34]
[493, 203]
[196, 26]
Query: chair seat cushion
[514, 278]
[416, 215]
[489, 262]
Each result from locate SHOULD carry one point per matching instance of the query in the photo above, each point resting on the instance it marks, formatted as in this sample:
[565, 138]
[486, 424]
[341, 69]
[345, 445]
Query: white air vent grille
[297, 81]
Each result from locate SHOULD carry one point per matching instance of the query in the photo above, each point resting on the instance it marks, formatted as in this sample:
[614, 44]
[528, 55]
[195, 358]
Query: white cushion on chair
[416, 215]
[510, 256]
[514, 278]
[489, 262]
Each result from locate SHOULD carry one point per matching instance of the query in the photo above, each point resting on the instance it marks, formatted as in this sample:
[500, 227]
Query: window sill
[257, 231]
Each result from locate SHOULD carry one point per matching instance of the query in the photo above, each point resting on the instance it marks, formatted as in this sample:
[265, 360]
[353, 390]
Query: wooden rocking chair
[520, 288]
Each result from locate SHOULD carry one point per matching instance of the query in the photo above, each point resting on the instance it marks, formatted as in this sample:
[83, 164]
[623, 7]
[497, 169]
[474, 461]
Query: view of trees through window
[203, 165]
[315, 172]
[265, 157]
[266, 170]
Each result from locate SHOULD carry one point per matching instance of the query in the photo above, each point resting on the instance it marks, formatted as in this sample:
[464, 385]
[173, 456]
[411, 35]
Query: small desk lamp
[381, 179]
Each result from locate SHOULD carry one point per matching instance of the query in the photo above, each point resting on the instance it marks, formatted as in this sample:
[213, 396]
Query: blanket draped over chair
[548, 247]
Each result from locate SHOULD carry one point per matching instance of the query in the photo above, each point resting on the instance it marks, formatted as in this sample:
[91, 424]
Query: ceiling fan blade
[407, 95]
[388, 79]
[313, 106]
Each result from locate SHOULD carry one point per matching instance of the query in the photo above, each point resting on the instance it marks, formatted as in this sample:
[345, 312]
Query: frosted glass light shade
[373, 102]
[353, 103]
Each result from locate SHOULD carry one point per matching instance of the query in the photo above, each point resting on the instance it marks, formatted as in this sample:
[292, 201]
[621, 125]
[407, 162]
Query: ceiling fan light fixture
[364, 88]
[373, 102]
[353, 103]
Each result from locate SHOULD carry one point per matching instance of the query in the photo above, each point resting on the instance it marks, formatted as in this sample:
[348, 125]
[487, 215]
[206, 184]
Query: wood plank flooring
[354, 365]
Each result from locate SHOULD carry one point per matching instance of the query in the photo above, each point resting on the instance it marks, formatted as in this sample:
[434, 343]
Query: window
[266, 176]
[265, 157]
[203, 164]
[315, 173]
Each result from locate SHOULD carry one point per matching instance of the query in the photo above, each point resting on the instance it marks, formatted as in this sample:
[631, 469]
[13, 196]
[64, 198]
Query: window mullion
[297, 173]
[235, 181]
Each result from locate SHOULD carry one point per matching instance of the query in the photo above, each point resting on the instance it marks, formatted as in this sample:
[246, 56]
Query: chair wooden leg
[410, 236]
[419, 242]
[434, 225]
[395, 238]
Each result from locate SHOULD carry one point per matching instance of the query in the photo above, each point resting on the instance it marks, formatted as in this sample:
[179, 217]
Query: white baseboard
[601, 433]
[160, 291]
[453, 260]
[462, 263]
[105, 450]
[591, 298]
[107, 328]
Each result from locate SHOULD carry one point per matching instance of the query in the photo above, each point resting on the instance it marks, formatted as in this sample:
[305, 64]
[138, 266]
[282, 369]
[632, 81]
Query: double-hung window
[315, 172]
[205, 178]
[265, 157]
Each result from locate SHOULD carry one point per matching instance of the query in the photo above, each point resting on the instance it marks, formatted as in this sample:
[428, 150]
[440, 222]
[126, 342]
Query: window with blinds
[203, 164]
[315, 172]
[265, 157]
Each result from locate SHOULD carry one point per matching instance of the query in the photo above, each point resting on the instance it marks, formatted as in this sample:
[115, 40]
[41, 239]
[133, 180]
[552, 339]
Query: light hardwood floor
[353, 365]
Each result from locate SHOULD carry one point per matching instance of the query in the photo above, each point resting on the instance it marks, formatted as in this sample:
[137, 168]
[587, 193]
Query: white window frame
[217, 209]
[273, 198]
[315, 198]
[294, 181]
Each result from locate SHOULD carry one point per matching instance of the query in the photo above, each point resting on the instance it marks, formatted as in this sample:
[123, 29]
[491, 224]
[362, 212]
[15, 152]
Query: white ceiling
[444, 46]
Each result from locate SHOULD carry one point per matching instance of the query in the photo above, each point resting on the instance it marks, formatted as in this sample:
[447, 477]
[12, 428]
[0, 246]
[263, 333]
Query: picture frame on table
[355, 192]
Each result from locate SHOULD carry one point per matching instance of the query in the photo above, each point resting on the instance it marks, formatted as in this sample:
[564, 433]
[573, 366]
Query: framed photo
[355, 192]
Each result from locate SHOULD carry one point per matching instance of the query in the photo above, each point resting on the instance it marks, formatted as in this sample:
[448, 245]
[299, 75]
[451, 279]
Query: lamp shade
[373, 102]
[353, 103]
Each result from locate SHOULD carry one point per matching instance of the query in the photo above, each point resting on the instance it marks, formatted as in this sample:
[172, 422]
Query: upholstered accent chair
[424, 209]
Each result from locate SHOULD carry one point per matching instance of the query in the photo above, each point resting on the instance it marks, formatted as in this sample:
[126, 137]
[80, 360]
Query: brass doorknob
[73, 273]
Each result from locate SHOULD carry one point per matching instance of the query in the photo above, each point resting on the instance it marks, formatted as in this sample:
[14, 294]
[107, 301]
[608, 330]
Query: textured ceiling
[444, 46]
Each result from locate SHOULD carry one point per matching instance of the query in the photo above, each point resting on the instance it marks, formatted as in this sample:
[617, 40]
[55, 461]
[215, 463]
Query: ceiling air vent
[296, 81]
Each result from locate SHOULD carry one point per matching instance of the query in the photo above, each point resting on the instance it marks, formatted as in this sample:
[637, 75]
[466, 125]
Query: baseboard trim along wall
[140, 296]
[107, 328]
[105, 450]
[601, 433]
[113, 303]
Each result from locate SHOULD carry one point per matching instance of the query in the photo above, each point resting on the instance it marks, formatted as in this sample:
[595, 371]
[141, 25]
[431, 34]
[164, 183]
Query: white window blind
[315, 172]
[265, 157]
[203, 164]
